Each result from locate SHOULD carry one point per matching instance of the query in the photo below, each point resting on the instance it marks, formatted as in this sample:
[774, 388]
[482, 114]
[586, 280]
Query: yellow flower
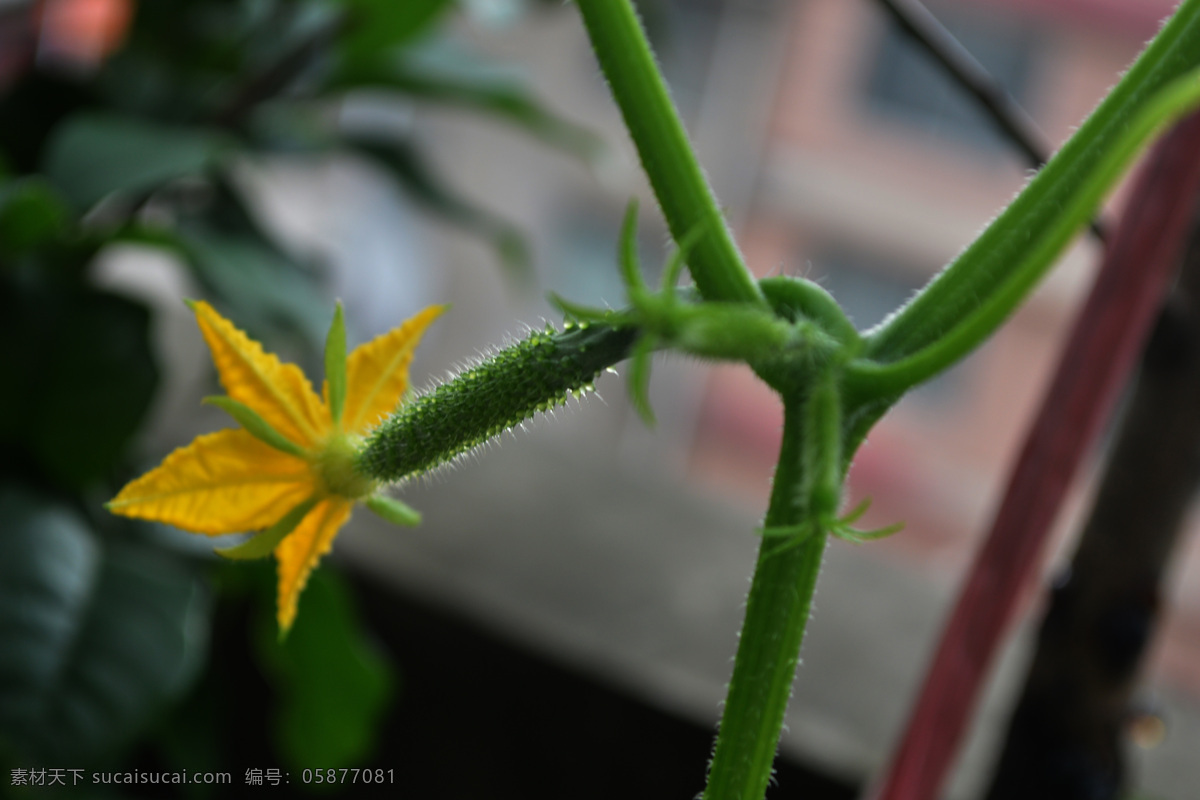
[290, 468]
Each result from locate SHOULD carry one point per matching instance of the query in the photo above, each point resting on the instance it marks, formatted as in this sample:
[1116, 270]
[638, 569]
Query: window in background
[584, 249]
[686, 35]
[905, 85]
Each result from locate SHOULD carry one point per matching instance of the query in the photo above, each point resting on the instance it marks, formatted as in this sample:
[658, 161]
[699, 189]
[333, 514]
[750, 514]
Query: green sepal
[335, 364]
[631, 271]
[639, 378]
[255, 425]
[842, 528]
[582, 313]
[855, 536]
[678, 259]
[394, 511]
[263, 544]
[793, 535]
[845, 532]
[856, 513]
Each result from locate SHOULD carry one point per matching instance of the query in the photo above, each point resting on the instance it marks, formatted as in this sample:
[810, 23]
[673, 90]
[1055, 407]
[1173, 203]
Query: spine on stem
[534, 375]
[777, 611]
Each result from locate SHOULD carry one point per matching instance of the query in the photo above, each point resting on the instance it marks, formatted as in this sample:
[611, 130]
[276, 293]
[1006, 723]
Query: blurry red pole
[1100, 353]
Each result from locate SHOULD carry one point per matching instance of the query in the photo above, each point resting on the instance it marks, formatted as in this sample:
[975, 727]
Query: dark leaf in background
[333, 686]
[94, 637]
[251, 277]
[443, 76]
[259, 286]
[411, 169]
[92, 156]
[291, 128]
[377, 25]
[31, 215]
[79, 376]
[30, 110]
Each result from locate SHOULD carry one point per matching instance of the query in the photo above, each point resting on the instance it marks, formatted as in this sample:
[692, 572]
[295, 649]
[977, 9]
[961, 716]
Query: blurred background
[483, 163]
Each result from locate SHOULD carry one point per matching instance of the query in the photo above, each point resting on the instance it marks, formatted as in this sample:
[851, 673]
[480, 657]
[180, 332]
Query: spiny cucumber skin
[535, 374]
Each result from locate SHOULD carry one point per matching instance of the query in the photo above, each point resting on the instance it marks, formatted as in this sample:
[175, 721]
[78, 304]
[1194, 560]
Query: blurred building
[843, 155]
[875, 172]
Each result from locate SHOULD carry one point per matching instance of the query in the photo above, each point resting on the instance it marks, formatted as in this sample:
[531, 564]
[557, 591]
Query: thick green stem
[983, 285]
[776, 615]
[662, 144]
[872, 378]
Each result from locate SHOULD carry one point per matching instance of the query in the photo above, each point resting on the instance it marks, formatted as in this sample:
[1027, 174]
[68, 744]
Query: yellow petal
[377, 372]
[222, 482]
[278, 392]
[299, 553]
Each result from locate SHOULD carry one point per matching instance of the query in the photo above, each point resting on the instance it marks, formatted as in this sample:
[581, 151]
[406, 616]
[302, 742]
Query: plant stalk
[971, 297]
[776, 616]
[1080, 688]
[1101, 350]
[686, 199]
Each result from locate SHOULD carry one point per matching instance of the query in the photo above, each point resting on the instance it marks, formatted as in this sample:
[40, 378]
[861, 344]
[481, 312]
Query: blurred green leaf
[259, 285]
[30, 109]
[94, 638]
[411, 169]
[333, 685]
[31, 215]
[299, 129]
[90, 156]
[433, 75]
[80, 380]
[378, 25]
[227, 248]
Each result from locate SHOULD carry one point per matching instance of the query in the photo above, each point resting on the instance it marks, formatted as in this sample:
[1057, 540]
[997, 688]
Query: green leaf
[236, 258]
[255, 425]
[264, 544]
[377, 25]
[90, 156]
[440, 76]
[79, 382]
[968, 300]
[394, 511]
[333, 686]
[31, 215]
[94, 639]
[260, 286]
[335, 364]
[627, 259]
[410, 168]
[638, 379]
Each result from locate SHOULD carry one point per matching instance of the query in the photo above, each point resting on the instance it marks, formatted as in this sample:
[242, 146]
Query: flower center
[335, 467]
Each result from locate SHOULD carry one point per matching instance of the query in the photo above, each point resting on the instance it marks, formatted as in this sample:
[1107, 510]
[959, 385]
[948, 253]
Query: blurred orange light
[83, 33]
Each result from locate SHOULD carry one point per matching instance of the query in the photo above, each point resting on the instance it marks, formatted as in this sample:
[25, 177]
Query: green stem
[776, 615]
[869, 378]
[529, 377]
[683, 193]
[998, 261]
